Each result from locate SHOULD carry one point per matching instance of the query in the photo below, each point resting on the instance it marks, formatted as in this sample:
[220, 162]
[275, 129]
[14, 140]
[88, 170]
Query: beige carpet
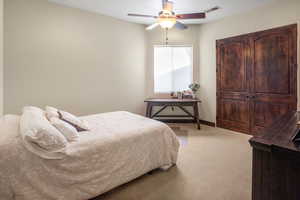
[213, 164]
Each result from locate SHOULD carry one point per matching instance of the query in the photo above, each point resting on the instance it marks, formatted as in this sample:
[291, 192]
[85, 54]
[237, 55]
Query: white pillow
[66, 129]
[36, 129]
[32, 108]
[51, 112]
[79, 124]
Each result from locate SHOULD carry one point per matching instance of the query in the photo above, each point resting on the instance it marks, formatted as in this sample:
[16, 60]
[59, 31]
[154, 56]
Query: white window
[173, 68]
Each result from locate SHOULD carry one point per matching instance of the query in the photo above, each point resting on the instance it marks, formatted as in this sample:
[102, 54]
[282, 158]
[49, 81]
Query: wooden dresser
[276, 161]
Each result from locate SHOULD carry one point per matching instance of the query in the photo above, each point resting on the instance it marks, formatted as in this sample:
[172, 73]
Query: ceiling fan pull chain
[167, 39]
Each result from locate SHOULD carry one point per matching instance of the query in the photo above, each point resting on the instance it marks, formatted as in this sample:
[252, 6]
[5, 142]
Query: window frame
[153, 67]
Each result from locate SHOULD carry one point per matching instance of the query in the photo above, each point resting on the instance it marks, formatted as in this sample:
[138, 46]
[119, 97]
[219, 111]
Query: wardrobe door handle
[250, 97]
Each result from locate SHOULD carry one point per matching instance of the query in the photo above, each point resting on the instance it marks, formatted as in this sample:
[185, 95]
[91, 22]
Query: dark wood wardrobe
[256, 78]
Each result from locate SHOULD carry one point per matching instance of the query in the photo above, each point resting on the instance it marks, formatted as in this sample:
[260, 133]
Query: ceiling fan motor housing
[166, 13]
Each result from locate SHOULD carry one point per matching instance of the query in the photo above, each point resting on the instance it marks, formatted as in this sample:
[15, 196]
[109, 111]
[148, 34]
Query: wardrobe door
[232, 84]
[273, 81]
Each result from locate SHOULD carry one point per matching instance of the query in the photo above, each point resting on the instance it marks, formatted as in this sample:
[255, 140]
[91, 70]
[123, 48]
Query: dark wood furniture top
[256, 79]
[180, 103]
[280, 135]
[276, 161]
[173, 100]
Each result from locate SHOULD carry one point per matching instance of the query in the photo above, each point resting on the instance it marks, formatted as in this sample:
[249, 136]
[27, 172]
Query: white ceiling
[120, 8]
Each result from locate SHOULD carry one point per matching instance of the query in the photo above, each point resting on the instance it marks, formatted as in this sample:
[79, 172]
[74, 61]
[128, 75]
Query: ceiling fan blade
[138, 15]
[212, 9]
[152, 26]
[180, 25]
[191, 16]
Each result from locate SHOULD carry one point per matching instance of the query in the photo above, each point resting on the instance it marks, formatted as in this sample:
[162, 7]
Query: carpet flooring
[213, 164]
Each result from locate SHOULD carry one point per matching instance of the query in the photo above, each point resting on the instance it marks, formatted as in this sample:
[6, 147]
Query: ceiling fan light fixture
[167, 18]
[167, 23]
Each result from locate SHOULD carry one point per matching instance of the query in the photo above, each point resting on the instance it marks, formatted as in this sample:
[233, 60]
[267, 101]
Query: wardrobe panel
[233, 72]
[271, 64]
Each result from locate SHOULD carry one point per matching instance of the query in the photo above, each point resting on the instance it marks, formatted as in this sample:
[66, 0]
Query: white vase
[194, 96]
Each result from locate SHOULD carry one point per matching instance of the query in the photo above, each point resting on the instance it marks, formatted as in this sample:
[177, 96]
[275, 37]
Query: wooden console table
[180, 103]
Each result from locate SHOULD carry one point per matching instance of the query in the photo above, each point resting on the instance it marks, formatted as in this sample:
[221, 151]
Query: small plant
[194, 87]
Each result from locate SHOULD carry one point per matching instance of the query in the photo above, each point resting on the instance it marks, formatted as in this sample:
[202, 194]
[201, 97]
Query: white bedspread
[119, 148]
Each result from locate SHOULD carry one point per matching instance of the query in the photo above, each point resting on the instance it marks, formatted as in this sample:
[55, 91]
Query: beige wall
[273, 15]
[88, 63]
[1, 57]
[69, 58]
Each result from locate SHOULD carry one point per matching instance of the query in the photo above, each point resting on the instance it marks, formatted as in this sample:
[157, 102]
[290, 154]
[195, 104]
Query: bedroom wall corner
[1, 58]
[72, 59]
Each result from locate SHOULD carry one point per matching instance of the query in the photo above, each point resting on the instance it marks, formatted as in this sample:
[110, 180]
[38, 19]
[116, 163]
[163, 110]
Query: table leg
[150, 111]
[196, 114]
[147, 110]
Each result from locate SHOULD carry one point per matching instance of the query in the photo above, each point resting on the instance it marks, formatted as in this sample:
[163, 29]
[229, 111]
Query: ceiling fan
[167, 17]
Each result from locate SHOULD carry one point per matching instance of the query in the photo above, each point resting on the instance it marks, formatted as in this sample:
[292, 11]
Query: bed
[120, 147]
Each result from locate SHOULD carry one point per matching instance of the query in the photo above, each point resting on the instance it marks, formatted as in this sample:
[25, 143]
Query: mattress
[120, 147]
